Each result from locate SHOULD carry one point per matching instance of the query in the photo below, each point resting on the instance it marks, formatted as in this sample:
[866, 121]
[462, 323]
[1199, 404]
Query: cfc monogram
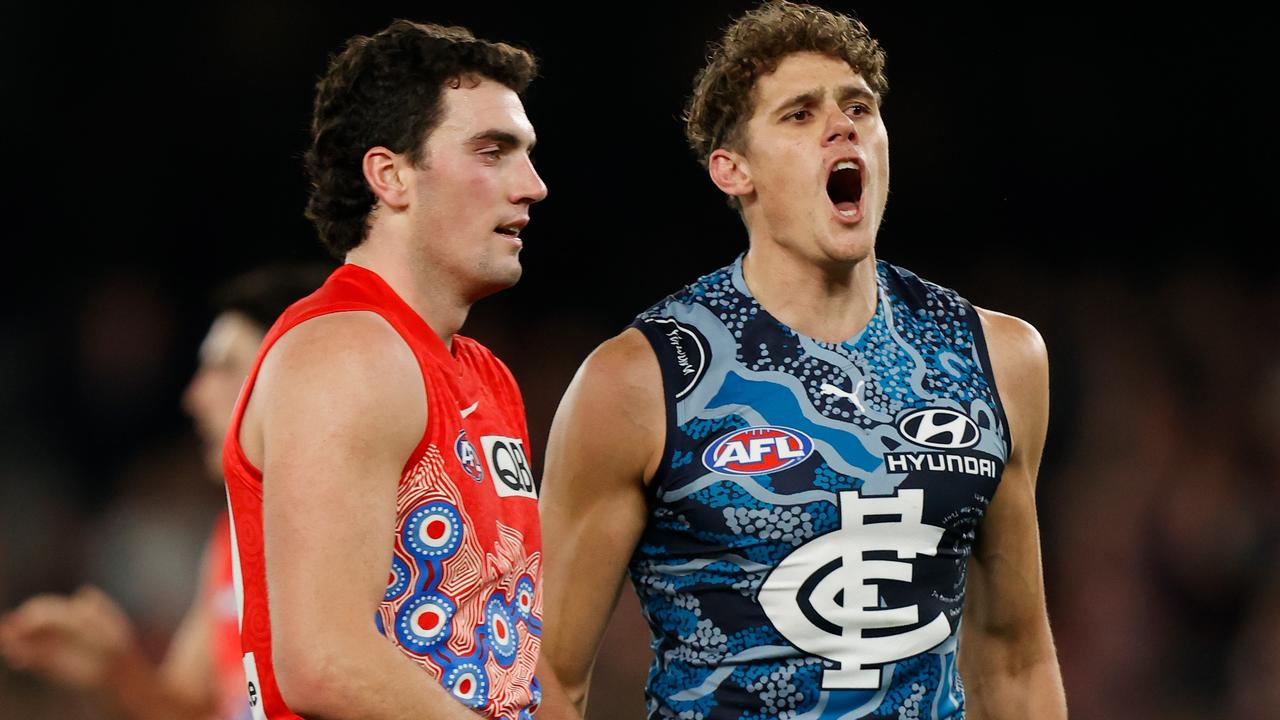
[822, 598]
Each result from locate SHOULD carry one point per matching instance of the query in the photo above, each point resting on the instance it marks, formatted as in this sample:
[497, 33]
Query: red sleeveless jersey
[463, 597]
[218, 588]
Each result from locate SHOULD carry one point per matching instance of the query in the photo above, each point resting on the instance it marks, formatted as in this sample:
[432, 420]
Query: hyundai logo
[939, 428]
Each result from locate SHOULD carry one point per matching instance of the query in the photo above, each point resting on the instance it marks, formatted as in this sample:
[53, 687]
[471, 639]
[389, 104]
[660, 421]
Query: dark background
[1103, 173]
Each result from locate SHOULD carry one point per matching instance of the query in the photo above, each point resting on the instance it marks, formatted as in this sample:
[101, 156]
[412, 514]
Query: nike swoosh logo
[467, 411]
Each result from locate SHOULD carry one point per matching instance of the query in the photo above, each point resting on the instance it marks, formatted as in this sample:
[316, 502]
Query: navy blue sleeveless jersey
[810, 523]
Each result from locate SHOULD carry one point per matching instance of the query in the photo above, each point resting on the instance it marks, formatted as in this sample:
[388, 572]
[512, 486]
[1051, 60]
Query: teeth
[847, 213]
[846, 165]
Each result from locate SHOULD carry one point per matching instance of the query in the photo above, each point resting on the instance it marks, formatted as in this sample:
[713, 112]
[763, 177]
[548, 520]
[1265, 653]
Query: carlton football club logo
[757, 451]
[824, 600]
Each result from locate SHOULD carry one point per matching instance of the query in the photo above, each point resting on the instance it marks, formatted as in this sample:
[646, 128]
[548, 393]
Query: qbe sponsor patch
[508, 466]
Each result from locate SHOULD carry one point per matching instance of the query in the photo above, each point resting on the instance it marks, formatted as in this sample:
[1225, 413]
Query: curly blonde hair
[753, 46]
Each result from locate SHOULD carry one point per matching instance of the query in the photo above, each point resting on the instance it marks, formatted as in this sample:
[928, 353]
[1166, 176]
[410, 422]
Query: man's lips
[844, 188]
[512, 229]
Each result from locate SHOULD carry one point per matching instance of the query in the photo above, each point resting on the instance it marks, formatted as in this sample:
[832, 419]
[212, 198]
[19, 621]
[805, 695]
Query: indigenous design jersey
[464, 590]
[810, 524]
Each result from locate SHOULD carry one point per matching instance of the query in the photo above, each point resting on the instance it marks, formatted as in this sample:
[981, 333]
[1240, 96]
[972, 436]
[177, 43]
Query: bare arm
[338, 409]
[85, 641]
[188, 666]
[1007, 657]
[606, 441]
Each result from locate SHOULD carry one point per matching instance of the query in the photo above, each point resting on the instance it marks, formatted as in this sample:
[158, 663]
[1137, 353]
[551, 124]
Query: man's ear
[730, 172]
[384, 171]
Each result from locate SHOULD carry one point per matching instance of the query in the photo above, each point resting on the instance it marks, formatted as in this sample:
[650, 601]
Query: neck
[434, 298]
[831, 302]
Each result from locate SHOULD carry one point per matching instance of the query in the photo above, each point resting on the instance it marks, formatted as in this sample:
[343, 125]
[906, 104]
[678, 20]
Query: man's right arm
[338, 408]
[606, 441]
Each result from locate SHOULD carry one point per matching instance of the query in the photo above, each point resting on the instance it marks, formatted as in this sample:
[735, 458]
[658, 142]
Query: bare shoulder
[626, 363]
[618, 388]
[348, 372]
[1017, 350]
[347, 342]
[1020, 362]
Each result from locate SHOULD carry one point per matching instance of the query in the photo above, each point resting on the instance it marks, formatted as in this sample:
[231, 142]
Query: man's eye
[798, 115]
[858, 109]
[492, 154]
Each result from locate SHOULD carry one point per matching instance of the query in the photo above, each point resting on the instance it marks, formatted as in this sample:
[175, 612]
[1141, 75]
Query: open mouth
[844, 188]
[512, 230]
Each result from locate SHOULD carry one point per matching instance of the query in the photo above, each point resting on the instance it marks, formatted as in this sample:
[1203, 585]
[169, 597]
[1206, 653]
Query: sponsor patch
[509, 466]
[940, 462]
[939, 428]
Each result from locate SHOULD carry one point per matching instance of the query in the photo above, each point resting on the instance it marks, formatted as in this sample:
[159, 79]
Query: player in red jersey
[85, 640]
[383, 509]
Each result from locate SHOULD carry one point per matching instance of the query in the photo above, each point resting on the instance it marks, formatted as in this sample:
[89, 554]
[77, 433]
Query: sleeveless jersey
[463, 597]
[809, 527]
[223, 629]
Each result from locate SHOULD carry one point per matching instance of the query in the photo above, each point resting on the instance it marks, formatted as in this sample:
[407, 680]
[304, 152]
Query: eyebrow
[502, 137]
[843, 93]
[851, 92]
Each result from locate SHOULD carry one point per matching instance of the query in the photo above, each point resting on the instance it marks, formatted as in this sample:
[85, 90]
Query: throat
[812, 301]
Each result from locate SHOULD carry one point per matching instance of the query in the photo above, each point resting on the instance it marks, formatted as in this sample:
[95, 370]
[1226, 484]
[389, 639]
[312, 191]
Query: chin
[850, 249]
[497, 280]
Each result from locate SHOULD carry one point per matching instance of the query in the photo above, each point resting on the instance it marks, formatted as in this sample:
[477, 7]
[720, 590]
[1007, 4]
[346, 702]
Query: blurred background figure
[84, 640]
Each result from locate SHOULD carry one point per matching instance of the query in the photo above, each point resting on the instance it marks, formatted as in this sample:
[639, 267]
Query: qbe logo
[757, 451]
[509, 466]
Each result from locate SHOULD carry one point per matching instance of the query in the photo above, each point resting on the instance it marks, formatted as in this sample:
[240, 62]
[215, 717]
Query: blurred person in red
[85, 640]
[383, 509]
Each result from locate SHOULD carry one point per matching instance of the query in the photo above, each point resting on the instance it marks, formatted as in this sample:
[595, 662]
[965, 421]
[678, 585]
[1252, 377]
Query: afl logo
[757, 451]
[466, 453]
[939, 428]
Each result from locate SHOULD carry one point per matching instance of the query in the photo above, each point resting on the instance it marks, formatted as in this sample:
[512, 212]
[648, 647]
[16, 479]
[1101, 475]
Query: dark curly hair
[386, 90]
[753, 46]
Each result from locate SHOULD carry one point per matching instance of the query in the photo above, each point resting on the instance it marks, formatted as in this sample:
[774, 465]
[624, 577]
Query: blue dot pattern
[713, 538]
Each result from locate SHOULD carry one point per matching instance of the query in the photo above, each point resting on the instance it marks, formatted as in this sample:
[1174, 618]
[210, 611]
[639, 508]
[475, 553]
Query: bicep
[1006, 587]
[604, 443]
[338, 426]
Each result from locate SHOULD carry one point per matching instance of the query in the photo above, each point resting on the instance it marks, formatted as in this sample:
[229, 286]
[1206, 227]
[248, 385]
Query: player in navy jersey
[817, 468]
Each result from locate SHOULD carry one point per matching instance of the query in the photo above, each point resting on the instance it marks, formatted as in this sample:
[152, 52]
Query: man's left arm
[1007, 658]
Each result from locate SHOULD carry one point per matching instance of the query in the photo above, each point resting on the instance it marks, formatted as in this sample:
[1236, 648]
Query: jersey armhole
[274, 336]
[657, 342]
[974, 321]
